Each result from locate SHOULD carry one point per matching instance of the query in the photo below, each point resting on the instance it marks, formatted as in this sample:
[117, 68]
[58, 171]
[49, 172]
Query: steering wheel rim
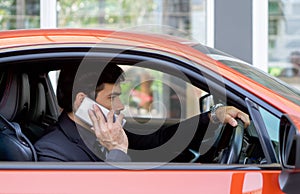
[232, 153]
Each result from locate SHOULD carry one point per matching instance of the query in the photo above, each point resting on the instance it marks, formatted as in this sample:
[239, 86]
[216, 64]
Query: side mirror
[289, 154]
[206, 102]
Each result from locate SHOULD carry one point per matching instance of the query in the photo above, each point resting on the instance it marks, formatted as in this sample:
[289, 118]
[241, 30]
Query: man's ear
[78, 99]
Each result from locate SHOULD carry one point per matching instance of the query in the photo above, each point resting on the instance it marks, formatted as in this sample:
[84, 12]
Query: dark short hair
[71, 82]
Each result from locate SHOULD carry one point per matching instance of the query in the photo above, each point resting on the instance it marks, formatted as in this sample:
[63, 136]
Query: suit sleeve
[117, 156]
[198, 124]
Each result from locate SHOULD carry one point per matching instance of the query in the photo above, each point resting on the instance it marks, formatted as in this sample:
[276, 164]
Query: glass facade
[284, 40]
[19, 14]
[184, 18]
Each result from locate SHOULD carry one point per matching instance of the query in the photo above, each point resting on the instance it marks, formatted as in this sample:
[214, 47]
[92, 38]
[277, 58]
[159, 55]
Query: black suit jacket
[66, 141]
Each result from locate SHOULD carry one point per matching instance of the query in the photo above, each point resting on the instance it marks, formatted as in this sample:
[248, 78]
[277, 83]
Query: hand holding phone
[110, 136]
[86, 104]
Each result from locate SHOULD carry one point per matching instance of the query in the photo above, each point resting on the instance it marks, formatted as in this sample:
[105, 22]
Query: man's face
[109, 97]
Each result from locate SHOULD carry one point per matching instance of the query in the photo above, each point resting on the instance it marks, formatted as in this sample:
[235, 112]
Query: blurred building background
[265, 33]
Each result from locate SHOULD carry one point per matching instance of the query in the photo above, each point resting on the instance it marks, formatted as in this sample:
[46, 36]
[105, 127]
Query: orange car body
[144, 181]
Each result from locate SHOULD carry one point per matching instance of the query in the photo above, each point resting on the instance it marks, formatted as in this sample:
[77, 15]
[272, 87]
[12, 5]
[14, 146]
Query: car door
[255, 173]
[162, 90]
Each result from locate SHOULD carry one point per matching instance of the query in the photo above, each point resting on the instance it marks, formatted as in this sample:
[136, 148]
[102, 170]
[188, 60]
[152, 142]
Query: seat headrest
[38, 103]
[15, 97]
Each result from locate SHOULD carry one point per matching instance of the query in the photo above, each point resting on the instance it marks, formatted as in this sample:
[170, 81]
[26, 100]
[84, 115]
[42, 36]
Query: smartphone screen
[86, 104]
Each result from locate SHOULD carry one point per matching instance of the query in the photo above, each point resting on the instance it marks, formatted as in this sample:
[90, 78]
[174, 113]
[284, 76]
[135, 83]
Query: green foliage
[79, 13]
[10, 19]
[103, 13]
[6, 11]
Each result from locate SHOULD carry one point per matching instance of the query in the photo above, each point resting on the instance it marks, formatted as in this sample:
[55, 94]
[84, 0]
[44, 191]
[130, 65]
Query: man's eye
[112, 97]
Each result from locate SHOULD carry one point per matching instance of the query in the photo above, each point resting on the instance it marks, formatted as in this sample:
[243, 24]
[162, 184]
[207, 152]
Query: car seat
[14, 106]
[35, 126]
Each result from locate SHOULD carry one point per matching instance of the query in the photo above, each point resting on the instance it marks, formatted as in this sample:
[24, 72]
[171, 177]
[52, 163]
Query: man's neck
[72, 116]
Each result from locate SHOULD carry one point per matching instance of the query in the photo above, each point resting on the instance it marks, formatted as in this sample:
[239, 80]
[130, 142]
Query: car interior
[28, 106]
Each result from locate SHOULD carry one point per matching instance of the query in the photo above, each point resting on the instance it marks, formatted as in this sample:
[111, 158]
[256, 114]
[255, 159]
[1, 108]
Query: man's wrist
[213, 115]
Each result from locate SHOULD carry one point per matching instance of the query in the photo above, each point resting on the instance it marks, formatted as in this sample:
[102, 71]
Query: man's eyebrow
[115, 94]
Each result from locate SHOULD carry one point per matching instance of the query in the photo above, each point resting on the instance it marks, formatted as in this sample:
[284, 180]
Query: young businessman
[70, 139]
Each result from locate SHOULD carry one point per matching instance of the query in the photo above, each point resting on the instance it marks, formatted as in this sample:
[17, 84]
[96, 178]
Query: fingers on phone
[93, 119]
[110, 117]
[96, 115]
[120, 118]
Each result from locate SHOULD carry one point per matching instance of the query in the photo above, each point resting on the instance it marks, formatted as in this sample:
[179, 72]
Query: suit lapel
[79, 136]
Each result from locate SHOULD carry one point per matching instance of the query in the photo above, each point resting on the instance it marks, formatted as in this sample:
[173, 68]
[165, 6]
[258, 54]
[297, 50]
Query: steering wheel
[232, 152]
[226, 148]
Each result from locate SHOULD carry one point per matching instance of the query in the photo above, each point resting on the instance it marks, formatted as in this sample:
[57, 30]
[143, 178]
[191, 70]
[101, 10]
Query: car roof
[18, 39]
[30, 37]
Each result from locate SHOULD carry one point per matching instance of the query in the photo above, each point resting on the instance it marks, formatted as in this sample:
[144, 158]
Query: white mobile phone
[86, 104]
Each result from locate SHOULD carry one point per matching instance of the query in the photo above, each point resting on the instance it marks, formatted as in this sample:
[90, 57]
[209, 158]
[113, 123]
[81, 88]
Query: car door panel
[134, 181]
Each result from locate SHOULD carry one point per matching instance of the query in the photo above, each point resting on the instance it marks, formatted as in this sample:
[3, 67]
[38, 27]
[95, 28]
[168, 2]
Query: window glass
[19, 14]
[185, 18]
[266, 80]
[284, 40]
[147, 93]
[272, 124]
[53, 75]
[153, 94]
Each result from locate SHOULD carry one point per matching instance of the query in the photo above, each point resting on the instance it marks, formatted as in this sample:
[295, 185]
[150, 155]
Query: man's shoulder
[53, 134]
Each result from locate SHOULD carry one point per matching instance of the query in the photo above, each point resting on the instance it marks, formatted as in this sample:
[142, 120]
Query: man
[66, 140]
[72, 140]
